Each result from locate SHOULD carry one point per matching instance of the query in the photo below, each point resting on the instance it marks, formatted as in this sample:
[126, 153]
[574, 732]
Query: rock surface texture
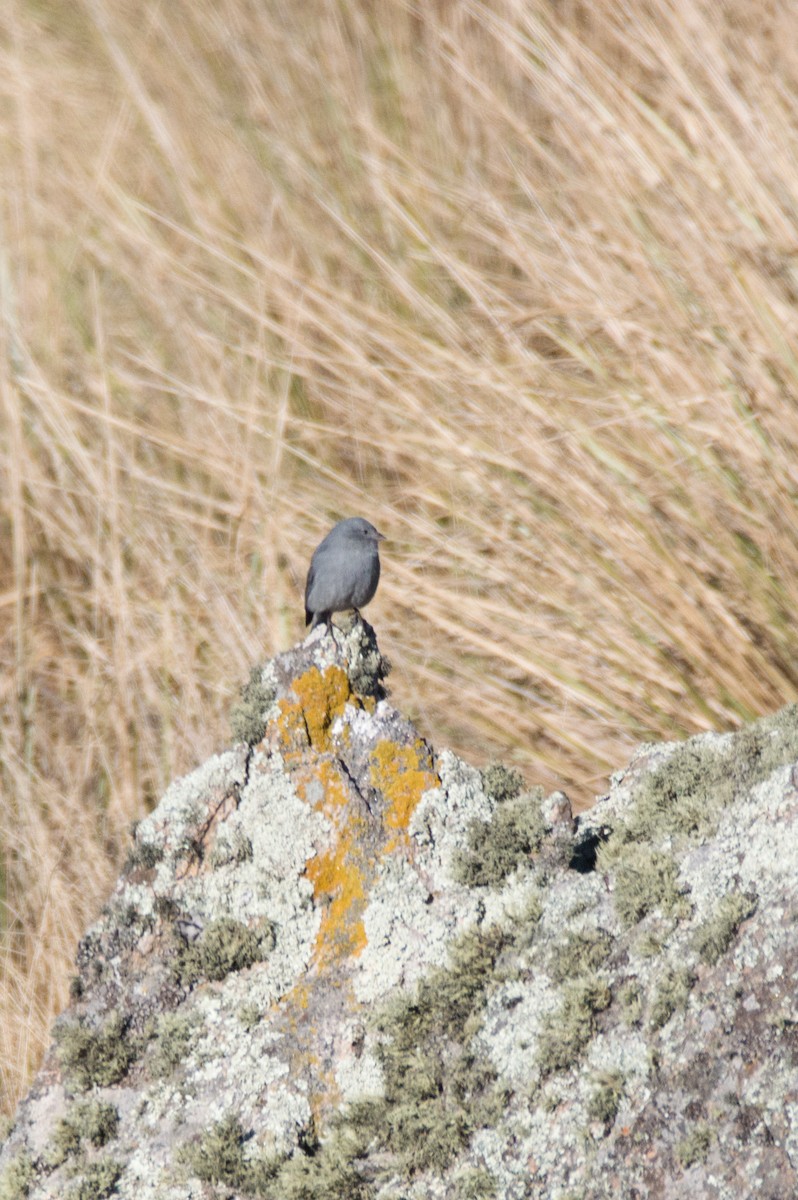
[341, 965]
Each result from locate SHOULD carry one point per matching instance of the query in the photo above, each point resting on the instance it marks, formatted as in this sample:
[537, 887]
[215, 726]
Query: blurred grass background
[515, 280]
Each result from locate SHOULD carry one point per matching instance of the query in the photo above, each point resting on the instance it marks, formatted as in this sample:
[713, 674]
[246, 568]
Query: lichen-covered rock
[338, 965]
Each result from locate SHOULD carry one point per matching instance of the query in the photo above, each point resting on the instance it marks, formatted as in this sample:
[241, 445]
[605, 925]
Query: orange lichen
[292, 731]
[350, 850]
[338, 872]
[334, 792]
[338, 882]
[296, 1001]
[320, 699]
[402, 774]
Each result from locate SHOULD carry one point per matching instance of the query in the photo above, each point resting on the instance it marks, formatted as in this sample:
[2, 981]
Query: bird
[344, 571]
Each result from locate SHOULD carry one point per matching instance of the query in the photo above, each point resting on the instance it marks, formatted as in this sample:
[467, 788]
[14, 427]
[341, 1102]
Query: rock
[338, 964]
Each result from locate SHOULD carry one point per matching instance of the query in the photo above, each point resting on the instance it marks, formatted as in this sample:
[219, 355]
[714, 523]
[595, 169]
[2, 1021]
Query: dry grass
[516, 280]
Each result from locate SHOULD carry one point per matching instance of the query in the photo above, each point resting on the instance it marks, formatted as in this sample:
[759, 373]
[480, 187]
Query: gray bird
[344, 571]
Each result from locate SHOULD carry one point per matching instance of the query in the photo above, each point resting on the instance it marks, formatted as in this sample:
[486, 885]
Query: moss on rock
[225, 945]
[569, 1028]
[313, 1172]
[606, 1097]
[248, 717]
[695, 1147]
[18, 1178]
[475, 1184]
[249, 1015]
[231, 850]
[672, 994]
[96, 1057]
[578, 952]
[438, 1089]
[509, 839]
[328, 1172]
[98, 1180]
[679, 803]
[685, 795]
[644, 878]
[171, 1042]
[94, 1121]
[630, 998]
[714, 937]
[218, 1157]
[368, 668]
[146, 855]
[501, 783]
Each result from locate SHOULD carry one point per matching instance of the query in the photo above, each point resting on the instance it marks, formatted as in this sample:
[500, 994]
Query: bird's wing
[308, 586]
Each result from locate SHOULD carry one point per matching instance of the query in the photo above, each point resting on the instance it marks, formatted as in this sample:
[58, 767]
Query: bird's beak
[380, 536]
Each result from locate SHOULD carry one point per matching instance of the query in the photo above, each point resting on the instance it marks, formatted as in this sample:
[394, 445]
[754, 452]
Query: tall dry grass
[517, 280]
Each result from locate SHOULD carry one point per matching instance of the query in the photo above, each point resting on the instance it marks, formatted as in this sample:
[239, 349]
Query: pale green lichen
[328, 1172]
[146, 855]
[650, 944]
[368, 669]
[166, 907]
[685, 795]
[680, 802]
[526, 921]
[218, 1155]
[313, 1172]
